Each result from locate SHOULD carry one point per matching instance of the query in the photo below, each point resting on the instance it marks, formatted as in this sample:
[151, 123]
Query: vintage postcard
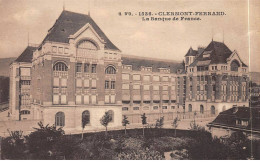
[129, 80]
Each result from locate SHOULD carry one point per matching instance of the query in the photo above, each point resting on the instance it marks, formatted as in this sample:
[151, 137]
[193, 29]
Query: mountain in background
[4, 65]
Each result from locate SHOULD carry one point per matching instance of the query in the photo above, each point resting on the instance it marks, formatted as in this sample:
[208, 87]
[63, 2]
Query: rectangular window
[106, 99]
[172, 107]
[78, 83]
[165, 78]
[106, 84]
[56, 82]
[136, 77]
[113, 84]
[25, 71]
[86, 67]
[86, 83]
[165, 88]
[54, 49]
[156, 78]
[94, 68]
[86, 99]
[146, 87]
[93, 83]
[135, 108]
[60, 50]
[125, 86]
[156, 87]
[146, 78]
[124, 108]
[78, 67]
[56, 99]
[78, 99]
[155, 107]
[164, 107]
[63, 99]
[94, 99]
[113, 99]
[136, 87]
[125, 76]
[63, 82]
[66, 50]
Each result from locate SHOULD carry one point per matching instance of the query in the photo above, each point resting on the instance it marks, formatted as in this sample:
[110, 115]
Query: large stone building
[77, 71]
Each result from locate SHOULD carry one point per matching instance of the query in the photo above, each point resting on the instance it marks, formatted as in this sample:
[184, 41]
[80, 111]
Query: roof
[228, 118]
[137, 62]
[191, 52]
[26, 55]
[69, 23]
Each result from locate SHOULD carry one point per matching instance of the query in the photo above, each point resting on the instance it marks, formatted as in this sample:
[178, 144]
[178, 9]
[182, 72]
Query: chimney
[200, 49]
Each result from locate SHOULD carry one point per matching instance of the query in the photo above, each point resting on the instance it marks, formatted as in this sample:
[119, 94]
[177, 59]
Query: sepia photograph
[129, 80]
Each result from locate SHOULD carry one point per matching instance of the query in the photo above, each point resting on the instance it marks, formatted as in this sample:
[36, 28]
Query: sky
[155, 39]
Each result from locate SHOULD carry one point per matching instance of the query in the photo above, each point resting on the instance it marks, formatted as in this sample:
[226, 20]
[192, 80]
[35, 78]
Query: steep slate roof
[191, 52]
[228, 118]
[137, 62]
[26, 55]
[69, 23]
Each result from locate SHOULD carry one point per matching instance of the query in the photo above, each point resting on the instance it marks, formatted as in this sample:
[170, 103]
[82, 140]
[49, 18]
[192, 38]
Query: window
[93, 83]
[106, 99]
[25, 71]
[60, 66]
[190, 108]
[23, 112]
[93, 68]
[56, 82]
[110, 70]
[113, 84]
[156, 78]
[54, 49]
[78, 99]
[113, 99]
[136, 86]
[63, 99]
[234, 65]
[93, 99]
[164, 107]
[212, 109]
[146, 78]
[136, 77]
[125, 86]
[66, 50]
[165, 78]
[106, 84]
[63, 82]
[86, 99]
[111, 114]
[55, 99]
[172, 107]
[165, 88]
[155, 107]
[86, 83]
[78, 83]
[201, 109]
[86, 117]
[156, 87]
[60, 50]
[146, 108]
[125, 76]
[124, 108]
[136, 108]
[146, 87]
[86, 44]
[60, 119]
[86, 67]
[78, 67]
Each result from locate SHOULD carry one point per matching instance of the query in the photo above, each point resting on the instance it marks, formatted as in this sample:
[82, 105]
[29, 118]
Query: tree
[144, 122]
[175, 124]
[159, 122]
[125, 122]
[105, 120]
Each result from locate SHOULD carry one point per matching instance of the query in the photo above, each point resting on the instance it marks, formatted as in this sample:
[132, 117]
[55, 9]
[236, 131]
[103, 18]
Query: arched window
[110, 70]
[213, 78]
[111, 114]
[85, 117]
[86, 44]
[224, 78]
[213, 110]
[60, 66]
[234, 65]
[190, 108]
[25, 112]
[60, 119]
[201, 109]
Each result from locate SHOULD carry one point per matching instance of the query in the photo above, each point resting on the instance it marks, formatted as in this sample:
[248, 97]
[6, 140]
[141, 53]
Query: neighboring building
[254, 91]
[216, 79]
[243, 119]
[4, 87]
[77, 71]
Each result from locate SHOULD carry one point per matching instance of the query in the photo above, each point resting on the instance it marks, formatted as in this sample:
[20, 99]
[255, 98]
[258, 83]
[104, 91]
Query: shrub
[144, 154]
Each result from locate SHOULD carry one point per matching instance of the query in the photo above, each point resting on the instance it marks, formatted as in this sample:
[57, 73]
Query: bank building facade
[77, 71]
